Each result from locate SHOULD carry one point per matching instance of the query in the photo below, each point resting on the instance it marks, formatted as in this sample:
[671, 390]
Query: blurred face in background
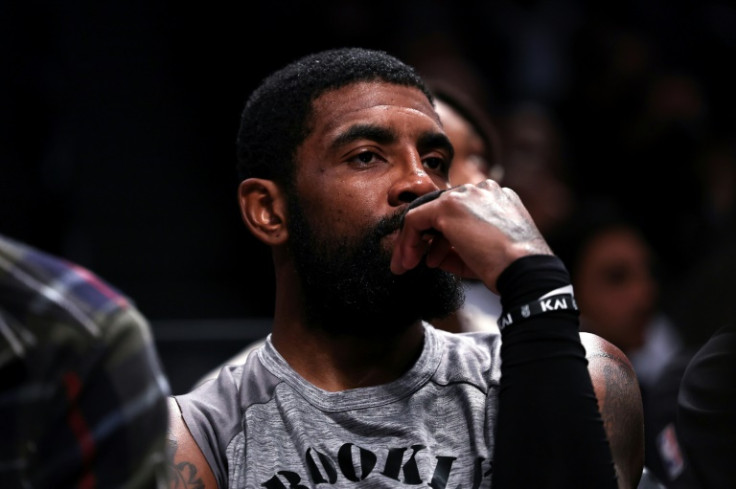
[615, 287]
[471, 163]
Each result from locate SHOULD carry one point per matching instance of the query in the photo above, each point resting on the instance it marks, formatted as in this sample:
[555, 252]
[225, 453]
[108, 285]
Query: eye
[617, 275]
[436, 163]
[364, 158]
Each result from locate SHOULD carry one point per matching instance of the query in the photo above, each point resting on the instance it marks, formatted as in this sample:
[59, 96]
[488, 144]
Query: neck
[336, 362]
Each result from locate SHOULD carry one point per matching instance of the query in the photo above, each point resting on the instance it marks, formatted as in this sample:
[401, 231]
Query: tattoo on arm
[623, 419]
[183, 474]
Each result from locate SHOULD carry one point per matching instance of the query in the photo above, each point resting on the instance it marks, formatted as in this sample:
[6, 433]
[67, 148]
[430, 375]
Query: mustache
[388, 225]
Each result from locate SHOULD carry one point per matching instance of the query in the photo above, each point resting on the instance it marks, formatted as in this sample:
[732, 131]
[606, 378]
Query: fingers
[474, 231]
[413, 241]
[420, 236]
[438, 251]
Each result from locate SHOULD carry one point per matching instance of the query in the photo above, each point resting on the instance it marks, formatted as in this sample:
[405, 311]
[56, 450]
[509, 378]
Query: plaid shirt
[82, 391]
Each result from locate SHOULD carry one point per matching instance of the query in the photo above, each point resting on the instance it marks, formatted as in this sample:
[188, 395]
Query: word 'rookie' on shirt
[356, 464]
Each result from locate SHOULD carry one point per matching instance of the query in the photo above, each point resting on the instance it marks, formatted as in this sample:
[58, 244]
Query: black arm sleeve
[550, 433]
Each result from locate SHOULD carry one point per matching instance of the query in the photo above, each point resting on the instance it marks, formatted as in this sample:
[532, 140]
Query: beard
[348, 285]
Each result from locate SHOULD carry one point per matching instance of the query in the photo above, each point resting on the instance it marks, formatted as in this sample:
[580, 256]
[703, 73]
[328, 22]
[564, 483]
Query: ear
[262, 207]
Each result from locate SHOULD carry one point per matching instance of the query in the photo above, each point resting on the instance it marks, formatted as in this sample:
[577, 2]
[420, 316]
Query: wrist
[560, 299]
[529, 278]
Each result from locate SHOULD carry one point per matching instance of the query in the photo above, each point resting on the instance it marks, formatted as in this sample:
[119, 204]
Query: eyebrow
[372, 132]
[427, 141]
[435, 140]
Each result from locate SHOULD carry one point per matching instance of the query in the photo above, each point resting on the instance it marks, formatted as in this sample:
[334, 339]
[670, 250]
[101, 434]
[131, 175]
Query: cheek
[343, 202]
[360, 202]
[339, 213]
[462, 173]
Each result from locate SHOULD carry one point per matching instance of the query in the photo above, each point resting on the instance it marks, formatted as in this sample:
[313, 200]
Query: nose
[411, 182]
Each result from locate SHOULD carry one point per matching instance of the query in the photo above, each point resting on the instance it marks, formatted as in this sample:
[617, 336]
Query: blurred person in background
[706, 410]
[704, 377]
[536, 166]
[615, 277]
[614, 272]
[82, 391]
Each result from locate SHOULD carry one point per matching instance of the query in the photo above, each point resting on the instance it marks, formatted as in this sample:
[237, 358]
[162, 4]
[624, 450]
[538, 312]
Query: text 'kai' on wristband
[561, 299]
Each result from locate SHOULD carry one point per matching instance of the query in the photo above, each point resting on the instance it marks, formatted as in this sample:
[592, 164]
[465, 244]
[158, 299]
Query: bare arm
[619, 401]
[188, 468]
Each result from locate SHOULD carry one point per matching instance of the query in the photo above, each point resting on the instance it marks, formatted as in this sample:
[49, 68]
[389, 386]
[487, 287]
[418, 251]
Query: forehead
[455, 124]
[448, 114]
[370, 101]
[616, 245]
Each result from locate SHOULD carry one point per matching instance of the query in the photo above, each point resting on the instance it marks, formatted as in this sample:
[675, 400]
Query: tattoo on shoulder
[182, 474]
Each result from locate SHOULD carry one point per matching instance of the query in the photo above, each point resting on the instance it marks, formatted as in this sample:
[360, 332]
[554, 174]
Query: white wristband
[561, 299]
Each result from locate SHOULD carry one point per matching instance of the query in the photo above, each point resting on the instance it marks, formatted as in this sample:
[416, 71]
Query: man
[82, 392]
[344, 167]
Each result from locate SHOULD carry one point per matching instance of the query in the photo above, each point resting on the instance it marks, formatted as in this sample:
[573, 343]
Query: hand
[474, 231]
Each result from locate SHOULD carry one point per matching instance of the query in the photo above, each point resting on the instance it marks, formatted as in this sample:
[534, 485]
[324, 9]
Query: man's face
[373, 148]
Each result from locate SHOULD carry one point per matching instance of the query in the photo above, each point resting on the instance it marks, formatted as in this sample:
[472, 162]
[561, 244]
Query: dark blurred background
[118, 122]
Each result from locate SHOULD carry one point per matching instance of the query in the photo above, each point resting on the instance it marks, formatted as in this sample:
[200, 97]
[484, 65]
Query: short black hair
[276, 117]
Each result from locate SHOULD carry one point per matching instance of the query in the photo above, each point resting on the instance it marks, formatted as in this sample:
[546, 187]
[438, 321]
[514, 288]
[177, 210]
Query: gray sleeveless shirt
[262, 425]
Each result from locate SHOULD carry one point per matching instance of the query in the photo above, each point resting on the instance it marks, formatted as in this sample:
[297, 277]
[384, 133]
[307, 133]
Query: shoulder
[619, 402]
[53, 304]
[596, 346]
[606, 362]
[706, 410]
[232, 362]
[613, 376]
[707, 387]
[187, 464]
[55, 290]
[206, 420]
[73, 333]
[65, 307]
